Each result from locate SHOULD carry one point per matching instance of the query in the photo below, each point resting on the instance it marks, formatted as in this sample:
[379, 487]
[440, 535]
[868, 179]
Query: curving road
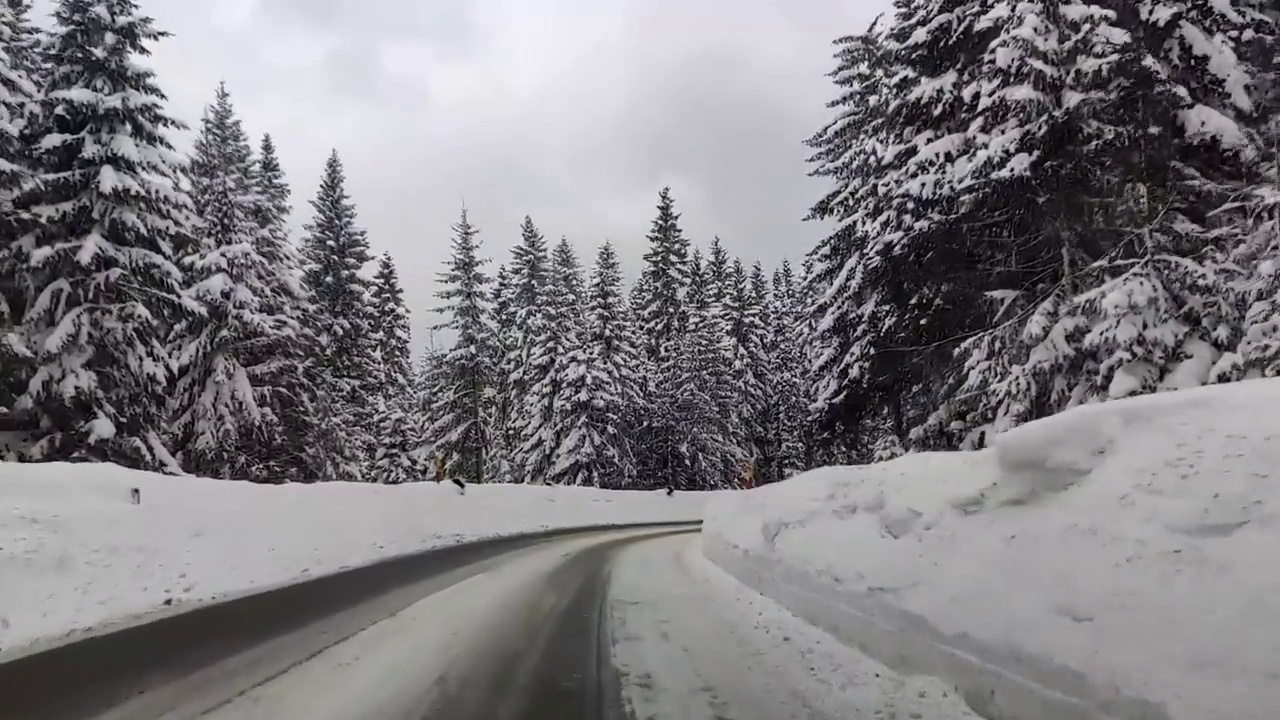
[605, 625]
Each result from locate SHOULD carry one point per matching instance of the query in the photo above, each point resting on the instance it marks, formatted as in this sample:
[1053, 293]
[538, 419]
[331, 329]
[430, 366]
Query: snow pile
[75, 553]
[1117, 560]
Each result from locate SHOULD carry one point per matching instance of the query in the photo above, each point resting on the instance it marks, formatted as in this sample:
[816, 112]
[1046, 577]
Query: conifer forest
[1031, 205]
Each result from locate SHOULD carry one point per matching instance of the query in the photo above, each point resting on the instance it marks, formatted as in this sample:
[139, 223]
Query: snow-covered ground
[1118, 560]
[692, 643]
[75, 553]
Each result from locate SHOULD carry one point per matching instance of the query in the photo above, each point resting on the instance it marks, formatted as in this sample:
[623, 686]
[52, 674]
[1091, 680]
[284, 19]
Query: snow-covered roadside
[1117, 560]
[75, 553]
[693, 643]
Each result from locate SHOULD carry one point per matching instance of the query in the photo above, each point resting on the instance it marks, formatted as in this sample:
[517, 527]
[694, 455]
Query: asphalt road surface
[607, 625]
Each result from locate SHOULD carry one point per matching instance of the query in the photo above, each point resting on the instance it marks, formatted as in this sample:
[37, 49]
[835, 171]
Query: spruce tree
[688, 432]
[744, 337]
[760, 395]
[505, 435]
[19, 96]
[1128, 294]
[602, 400]
[218, 403]
[106, 214]
[398, 429]
[522, 369]
[717, 275]
[665, 281]
[287, 362]
[702, 444]
[390, 328]
[1257, 258]
[848, 152]
[397, 458]
[785, 329]
[555, 356]
[335, 251]
[1032, 207]
[461, 385]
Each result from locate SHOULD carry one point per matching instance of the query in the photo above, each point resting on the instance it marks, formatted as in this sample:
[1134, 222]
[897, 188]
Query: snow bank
[75, 553]
[1117, 561]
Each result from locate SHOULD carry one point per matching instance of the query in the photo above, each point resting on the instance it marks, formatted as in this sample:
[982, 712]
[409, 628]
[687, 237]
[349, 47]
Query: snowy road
[611, 625]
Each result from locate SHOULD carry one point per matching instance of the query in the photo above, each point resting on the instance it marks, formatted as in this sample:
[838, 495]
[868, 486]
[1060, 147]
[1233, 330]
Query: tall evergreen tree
[665, 280]
[461, 385]
[717, 275]
[335, 251]
[554, 357]
[1029, 201]
[390, 328]
[216, 401]
[286, 363]
[106, 213]
[785, 329]
[744, 336]
[397, 440]
[688, 434]
[601, 400]
[523, 368]
[505, 434]
[848, 152]
[19, 96]
[1128, 295]
[397, 457]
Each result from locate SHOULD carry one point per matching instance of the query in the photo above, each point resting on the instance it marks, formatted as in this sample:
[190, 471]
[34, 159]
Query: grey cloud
[573, 111]
[447, 23]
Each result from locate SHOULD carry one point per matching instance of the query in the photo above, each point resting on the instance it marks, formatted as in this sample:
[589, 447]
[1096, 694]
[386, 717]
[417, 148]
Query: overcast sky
[573, 111]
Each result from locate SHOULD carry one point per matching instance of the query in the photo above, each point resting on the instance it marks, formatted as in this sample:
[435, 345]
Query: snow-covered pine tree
[286, 362]
[764, 405]
[526, 306]
[335, 251]
[218, 407]
[717, 276]
[844, 308]
[1257, 258]
[692, 435]
[106, 214]
[739, 334]
[1117, 287]
[608, 402]
[505, 438]
[641, 420]
[503, 300]
[426, 378]
[665, 280]
[1065, 161]
[601, 391]
[567, 270]
[396, 458]
[460, 389]
[784, 327]
[390, 328]
[19, 97]
[554, 356]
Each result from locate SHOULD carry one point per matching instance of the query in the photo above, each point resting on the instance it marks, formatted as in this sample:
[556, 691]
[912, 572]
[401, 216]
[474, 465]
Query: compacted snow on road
[539, 636]
[690, 642]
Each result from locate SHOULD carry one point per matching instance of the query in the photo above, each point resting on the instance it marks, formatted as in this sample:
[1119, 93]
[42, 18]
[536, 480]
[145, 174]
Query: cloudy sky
[573, 111]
